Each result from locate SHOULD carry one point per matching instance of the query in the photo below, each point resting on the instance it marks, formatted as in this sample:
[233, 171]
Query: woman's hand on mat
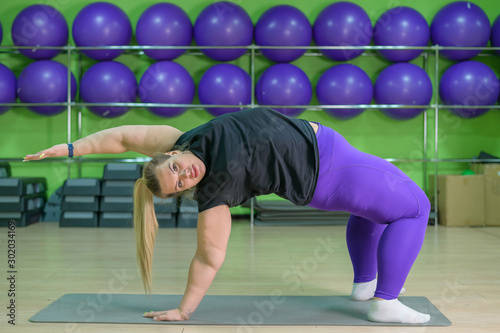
[170, 315]
[54, 151]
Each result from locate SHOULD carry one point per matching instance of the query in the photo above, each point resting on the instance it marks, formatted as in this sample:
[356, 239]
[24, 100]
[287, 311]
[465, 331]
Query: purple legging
[389, 211]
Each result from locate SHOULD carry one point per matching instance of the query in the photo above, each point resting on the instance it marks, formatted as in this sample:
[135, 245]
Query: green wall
[23, 132]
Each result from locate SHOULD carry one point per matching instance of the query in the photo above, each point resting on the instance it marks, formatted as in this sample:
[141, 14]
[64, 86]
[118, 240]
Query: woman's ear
[173, 152]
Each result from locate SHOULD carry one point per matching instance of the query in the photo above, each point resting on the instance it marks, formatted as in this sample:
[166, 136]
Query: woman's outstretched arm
[214, 227]
[144, 139]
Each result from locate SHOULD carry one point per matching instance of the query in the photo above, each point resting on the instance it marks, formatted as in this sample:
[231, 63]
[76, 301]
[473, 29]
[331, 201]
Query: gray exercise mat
[226, 310]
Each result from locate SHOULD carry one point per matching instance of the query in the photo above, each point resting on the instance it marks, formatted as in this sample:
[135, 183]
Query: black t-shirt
[254, 152]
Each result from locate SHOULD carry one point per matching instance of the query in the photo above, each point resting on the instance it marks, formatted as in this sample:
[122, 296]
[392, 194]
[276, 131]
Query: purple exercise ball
[469, 83]
[406, 84]
[39, 25]
[463, 24]
[283, 25]
[164, 24]
[342, 24]
[7, 88]
[45, 81]
[401, 26]
[495, 34]
[284, 84]
[223, 24]
[225, 84]
[166, 82]
[102, 24]
[108, 82]
[344, 84]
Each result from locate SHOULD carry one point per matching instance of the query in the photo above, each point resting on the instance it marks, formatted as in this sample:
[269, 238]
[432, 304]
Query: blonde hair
[145, 223]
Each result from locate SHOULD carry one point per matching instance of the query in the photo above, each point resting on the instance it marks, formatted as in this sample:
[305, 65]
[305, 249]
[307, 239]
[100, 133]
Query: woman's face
[180, 172]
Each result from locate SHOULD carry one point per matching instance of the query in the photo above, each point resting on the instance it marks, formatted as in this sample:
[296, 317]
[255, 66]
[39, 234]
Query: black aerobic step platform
[52, 216]
[188, 213]
[51, 208]
[165, 206]
[117, 187]
[82, 187]
[117, 204]
[125, 220]
[4, 170]
[188, 206]
[282, 212]
[80, 203]
[166, 220]
[26, 203]
[79, 219]
[22, 186]
[122, 171]
[22, 219]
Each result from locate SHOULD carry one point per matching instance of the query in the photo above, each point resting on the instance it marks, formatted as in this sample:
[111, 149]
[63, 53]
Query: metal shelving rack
[252, 52]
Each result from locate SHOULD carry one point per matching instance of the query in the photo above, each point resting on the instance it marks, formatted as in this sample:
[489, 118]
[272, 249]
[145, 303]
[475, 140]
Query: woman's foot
[393, 311]
[366, 290]
[363, 291]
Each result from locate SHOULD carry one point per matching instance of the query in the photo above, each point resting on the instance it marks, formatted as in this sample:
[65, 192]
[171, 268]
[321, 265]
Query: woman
[259, 151]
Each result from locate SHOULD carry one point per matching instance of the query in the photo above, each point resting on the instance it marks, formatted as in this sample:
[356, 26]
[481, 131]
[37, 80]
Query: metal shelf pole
[79, 113]
[252, 78]
[69, 103]
[436, 135]
[424, 164]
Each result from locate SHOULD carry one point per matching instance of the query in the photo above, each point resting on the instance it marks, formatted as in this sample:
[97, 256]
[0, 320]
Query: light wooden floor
[458, 270]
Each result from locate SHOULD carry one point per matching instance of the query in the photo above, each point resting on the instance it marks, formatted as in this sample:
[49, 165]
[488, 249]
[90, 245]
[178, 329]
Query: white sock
[393, 311]
[366, 290]
[363, 291]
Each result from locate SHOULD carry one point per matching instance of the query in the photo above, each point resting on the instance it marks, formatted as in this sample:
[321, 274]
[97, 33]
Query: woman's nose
[184, 174]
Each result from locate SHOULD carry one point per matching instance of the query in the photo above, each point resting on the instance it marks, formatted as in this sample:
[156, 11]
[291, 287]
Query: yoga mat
[226, 310]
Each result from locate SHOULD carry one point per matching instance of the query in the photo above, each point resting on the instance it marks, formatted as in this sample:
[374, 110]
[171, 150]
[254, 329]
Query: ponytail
[145, 223]
[146, 228]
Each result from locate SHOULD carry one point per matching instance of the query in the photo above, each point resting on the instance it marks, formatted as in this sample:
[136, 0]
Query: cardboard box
[492, 200]
[461, 199]
[487, 169]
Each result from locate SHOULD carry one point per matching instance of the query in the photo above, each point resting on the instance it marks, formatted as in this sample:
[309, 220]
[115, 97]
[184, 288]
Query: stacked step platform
[281, 212]
[117, 200]
[80, 204]
[53, 207]
[21, 199]
[166, 212]
[188, 213]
